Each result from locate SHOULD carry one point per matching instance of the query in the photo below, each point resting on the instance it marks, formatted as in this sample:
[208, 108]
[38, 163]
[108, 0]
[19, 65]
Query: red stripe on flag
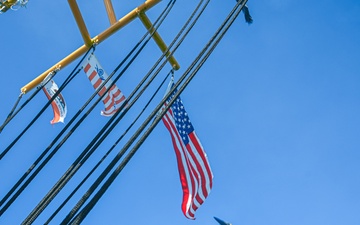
[106, 99]
[97, 83]
[200, 163]
[120, 100]
[117, 92]
[56, 110]
[102, 91]
[110, 106]
[92, 75]
[195, 140]
[87, 67]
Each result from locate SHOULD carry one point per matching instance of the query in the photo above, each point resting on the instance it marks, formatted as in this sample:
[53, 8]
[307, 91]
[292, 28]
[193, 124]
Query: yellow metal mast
[145, 20]
[80, 22]
[110, 11]
[115, 26]
[6, 5]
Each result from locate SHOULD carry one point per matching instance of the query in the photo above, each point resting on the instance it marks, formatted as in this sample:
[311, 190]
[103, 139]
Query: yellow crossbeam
[158, 40]
[80, 22]
[97, 39]
[110, 11]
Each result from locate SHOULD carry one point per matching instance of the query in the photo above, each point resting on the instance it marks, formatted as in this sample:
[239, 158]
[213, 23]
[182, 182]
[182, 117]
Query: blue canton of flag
[182, 120]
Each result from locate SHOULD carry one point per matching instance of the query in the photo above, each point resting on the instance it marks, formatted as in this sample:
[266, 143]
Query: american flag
[114, 98]
[194, 169]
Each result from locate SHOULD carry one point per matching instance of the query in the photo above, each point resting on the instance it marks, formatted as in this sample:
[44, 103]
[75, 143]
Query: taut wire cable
[212, 45]
[58, 186]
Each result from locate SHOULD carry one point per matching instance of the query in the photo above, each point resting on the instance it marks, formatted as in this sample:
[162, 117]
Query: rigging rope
[212, 45]
[186, 24]
[10, 116]
[109, 151]
[60, 134]
[103, 137]
[7, 149]
[69, 123]
[181, 31]
[5, 198]
[178, 44]
[165, 53]
[52, 74]
[46, 200]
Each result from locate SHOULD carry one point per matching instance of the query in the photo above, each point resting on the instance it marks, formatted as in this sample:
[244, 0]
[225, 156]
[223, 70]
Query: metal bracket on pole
[97, 39]
[158, 40]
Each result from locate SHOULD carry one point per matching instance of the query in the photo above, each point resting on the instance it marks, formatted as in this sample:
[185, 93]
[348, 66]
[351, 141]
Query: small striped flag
[58, 104]
[114, 98]
[194, 169]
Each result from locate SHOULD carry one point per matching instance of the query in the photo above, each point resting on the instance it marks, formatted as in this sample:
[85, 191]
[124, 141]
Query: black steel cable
[66, 127]
[65, 83]
[60, 135]
[11, 192]
[120, 156]
[13, 113]
[84, 212]
[58, 186]
[10, 115]
[108, 152]
[178, 44]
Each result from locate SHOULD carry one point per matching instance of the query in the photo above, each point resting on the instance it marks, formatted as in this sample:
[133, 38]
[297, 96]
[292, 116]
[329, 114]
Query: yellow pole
[101, 37]
[159, 41]
[7, 5]
[126, 19]
[80, 22]
[110, 11]
[11, 2]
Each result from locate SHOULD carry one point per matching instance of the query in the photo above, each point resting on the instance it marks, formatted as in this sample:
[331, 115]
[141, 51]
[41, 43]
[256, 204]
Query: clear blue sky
[276, 107]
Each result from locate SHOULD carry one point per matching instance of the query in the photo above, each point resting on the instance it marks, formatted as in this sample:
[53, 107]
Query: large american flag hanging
[194, 169]
[114, 98]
